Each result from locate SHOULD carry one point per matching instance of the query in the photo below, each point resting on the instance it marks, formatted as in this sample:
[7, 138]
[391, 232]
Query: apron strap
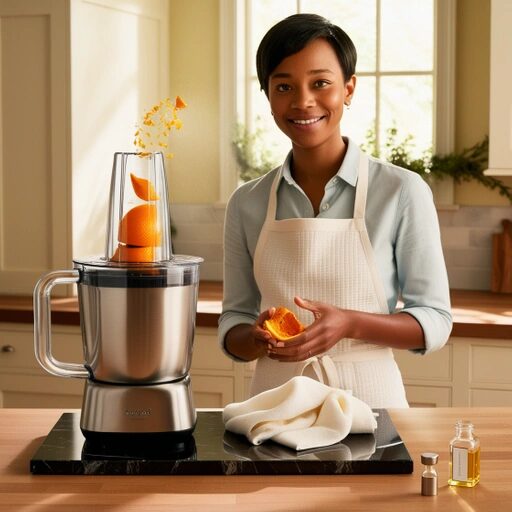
[321, 366]
[272, 200]
[361, 187]
[315, 365]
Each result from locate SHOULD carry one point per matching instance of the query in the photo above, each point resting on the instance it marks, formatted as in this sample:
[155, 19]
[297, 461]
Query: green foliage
[468, 165]
[253, 158]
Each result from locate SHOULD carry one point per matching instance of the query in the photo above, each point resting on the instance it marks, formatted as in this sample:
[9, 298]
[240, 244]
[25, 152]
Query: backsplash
[466, 235]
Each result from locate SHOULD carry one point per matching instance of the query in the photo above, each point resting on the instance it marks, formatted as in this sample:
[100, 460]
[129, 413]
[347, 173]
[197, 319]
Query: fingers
[314, 307]
[301, 354]
[305, 303]
[265, 315]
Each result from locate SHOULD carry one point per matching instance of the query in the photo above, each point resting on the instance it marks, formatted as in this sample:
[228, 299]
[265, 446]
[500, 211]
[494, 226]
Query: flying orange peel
[153, 133]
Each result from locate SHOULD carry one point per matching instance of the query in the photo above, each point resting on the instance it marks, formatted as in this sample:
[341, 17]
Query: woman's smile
[307, 122]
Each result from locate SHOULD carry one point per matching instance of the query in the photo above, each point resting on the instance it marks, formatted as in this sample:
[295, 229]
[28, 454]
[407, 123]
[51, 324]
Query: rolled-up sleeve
[241, 295]
[420, 262]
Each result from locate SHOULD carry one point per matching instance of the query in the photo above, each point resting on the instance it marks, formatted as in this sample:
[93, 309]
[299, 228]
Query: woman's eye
[282, 87]
[321, 83]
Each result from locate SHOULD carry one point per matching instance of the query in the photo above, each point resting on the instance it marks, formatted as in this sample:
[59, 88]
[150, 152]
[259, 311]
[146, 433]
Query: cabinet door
[428, 396]
[35, 211]
[500, 126]
[31, 391]
[23, 383]
[212, 391]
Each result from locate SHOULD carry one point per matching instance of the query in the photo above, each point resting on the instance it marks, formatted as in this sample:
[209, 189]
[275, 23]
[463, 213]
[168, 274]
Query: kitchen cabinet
[23, 383]
[500, 122]
[216, 380]
[466, 372]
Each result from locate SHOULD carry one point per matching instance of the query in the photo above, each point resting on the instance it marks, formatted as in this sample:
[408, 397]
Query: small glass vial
[464, 456]
[429, 476]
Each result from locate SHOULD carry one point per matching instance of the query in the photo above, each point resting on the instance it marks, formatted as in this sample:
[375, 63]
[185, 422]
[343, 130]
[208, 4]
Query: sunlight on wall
[115, 77]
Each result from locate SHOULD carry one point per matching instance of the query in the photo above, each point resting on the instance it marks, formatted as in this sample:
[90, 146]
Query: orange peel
[283, 325]
[179, 103]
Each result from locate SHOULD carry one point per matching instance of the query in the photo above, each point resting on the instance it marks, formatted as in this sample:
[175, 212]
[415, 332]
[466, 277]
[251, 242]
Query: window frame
[232, 94]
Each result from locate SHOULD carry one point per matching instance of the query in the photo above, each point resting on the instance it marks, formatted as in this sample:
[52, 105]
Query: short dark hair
[292, 34]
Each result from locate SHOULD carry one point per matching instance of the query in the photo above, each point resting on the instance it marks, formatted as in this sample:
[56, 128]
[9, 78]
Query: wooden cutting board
[502, 259]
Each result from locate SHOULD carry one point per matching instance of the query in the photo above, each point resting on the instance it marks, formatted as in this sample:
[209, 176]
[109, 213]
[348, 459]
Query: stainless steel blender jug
[137, 314]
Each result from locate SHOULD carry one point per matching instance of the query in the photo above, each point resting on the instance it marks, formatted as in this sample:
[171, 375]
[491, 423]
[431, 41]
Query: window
[404, 68]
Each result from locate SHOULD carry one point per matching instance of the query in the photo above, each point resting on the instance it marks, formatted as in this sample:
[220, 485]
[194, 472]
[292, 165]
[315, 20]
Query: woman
[334, 235]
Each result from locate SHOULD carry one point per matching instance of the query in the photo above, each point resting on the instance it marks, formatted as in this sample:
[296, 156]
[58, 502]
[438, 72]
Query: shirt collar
[347, 172]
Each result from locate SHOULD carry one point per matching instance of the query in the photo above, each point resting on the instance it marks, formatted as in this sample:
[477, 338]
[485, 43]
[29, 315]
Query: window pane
[265, 14]
[361, 116]
[406, 102]
[273, 139]
[357, 19]
[407, 35]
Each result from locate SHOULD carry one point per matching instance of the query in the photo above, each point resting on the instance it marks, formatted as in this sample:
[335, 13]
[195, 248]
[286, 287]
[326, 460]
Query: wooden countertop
[23, 430]
[476, 314]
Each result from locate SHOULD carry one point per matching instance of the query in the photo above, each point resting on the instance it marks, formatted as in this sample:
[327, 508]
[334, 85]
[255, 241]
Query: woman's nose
[303, 98]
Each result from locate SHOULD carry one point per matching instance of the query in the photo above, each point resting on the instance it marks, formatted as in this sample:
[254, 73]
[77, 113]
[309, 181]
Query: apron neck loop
[361, 190]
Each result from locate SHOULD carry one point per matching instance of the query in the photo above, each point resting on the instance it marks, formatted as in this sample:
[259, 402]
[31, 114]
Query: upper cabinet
[500, 125]
[75, 78]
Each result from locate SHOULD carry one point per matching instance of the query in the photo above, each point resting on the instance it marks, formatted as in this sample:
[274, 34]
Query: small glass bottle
[429, 476]
[464, 456]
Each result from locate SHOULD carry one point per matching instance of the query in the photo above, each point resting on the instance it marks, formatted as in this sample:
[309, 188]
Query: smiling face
[307, 92]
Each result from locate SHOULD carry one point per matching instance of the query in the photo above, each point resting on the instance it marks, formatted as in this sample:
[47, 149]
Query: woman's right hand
[262, 338]
[250, 341]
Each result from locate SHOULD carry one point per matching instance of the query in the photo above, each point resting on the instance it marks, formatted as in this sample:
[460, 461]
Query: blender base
[117, 412]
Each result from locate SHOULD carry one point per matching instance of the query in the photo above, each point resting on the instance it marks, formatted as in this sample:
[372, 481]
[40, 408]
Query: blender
[137, 307]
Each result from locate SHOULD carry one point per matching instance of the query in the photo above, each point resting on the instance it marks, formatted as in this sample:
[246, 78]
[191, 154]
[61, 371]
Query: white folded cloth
[301, 414]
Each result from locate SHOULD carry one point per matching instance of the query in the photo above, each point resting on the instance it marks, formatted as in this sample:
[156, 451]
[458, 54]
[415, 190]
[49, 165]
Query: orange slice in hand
[144, 188]
[283, 325]
[138, 227]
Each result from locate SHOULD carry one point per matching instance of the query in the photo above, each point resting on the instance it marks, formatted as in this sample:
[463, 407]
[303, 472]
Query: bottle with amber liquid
[464, 456]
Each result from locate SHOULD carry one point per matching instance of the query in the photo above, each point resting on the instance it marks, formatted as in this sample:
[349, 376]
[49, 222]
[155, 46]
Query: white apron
[332, 261]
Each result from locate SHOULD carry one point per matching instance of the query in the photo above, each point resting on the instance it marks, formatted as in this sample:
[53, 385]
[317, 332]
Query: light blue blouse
[402, 225]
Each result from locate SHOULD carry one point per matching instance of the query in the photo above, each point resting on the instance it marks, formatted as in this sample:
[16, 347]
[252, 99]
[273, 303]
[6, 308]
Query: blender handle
[42, 325]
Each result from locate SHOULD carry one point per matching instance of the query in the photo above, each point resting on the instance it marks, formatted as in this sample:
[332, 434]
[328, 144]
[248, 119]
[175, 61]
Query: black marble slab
[213, 451]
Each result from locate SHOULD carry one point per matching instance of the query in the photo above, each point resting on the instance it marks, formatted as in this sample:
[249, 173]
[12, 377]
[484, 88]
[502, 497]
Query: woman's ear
[349, 87]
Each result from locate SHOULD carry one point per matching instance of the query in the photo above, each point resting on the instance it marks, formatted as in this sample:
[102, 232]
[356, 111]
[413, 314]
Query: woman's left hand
[329, 326]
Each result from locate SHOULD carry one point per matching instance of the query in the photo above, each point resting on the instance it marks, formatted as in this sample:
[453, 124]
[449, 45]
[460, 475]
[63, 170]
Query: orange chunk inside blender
[132, 254]
[143, 188]
[283, 325]
[139, 234]
[139, 227]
